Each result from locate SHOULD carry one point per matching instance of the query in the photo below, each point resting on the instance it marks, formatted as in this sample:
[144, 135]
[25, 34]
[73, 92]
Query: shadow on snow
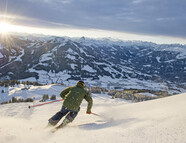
[106, 124]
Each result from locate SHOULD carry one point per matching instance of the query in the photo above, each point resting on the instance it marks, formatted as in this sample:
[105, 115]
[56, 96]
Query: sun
[5, 27]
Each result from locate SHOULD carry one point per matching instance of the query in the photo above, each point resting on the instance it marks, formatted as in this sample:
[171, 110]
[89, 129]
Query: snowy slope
[156, 121]
[27, 91]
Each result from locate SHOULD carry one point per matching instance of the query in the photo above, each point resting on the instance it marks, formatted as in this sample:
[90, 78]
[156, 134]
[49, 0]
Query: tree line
[7, 83]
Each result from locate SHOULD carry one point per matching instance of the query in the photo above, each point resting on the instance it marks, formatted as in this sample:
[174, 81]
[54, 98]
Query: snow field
[156, 121]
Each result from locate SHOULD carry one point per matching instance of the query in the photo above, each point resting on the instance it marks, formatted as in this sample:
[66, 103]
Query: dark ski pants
[64, 111]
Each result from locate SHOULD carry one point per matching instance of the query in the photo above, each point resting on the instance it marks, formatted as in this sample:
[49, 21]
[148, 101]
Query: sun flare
[5, 27]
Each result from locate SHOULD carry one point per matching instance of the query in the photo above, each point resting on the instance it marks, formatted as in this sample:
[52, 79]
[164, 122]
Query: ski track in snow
[156, 121]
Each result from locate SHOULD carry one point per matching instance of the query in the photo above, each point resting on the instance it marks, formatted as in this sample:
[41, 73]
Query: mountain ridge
[100, 62]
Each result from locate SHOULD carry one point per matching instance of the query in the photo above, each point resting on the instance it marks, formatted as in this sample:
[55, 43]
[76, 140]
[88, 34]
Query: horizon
[138, 20]
[87, 37]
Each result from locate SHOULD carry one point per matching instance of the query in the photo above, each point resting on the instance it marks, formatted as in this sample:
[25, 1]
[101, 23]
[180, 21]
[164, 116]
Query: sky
[161, 21]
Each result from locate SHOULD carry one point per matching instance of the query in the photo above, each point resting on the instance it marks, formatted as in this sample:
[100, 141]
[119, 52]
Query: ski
[57, 128]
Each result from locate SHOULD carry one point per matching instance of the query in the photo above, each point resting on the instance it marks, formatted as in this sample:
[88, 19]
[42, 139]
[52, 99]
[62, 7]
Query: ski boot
[62, 125]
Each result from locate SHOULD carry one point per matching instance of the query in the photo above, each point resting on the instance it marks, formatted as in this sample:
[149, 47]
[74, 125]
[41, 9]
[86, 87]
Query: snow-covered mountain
[156, 121]
[100, 62]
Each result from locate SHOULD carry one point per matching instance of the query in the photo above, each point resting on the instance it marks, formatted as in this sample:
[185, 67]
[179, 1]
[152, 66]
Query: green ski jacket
[73, 97]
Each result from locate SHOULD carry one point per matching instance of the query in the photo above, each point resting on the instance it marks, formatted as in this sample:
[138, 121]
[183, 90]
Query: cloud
[151, 17]
[51, 1]
[137, 1]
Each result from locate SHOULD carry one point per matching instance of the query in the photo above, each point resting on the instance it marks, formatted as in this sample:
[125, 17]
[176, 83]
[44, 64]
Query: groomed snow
[155, 121]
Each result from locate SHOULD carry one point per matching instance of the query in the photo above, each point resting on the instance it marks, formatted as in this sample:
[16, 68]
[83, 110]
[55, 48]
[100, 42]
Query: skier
[73, 97]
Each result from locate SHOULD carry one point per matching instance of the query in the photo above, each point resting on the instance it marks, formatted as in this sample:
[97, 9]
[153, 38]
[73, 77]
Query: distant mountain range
[99, 62]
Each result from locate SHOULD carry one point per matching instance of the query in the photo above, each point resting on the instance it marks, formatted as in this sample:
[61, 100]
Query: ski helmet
[81, 82]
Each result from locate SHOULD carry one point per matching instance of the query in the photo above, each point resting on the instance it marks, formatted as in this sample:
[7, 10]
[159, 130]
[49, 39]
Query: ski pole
[95, 114]
[44, 103]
